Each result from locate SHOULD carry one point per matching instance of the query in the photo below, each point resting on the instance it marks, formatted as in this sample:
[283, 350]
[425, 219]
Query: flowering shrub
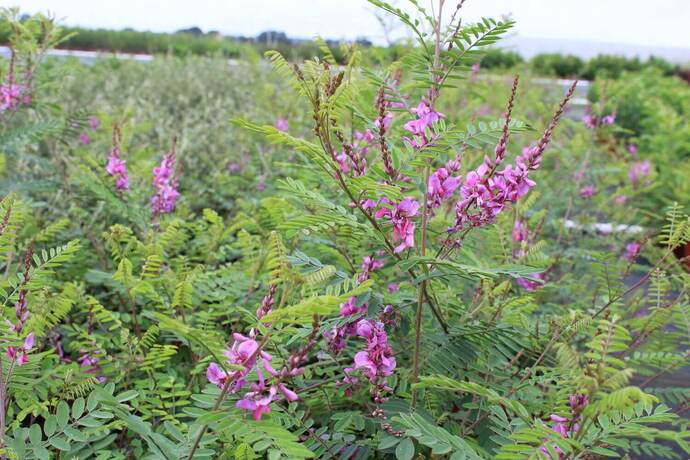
[391, 278]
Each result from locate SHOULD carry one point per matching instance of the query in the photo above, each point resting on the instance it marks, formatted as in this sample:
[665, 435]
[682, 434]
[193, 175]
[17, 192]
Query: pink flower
[393, 288]
[369, 265]
[350, 307]
[342, 160]
[592, 121]
[609, 119]
[12, 95]
[387, 120]
[620, 200]
[639, 169]
[441, 187]
[483, 196]
[282, 124]
[216, 375]
[21, 353]
[94, 123]
[84, 139]
[165, 185]
[587, 192]
[117, 168]
[530, 285]
[234, 167]
[632, 149]
[257, 403]
[426, 117]
[376, 361]
[519, 231]
[631, 251]
[403, 227]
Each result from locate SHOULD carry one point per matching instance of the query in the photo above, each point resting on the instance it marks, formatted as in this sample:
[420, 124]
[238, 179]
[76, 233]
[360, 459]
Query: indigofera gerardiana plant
[409, 271]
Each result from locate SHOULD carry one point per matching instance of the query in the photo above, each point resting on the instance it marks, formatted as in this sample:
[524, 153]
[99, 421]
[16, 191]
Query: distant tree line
[194, 41]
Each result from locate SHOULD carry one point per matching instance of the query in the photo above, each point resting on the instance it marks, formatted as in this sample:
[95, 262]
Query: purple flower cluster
[337, 336]
[91, 365]
[484, 195]
[422, 127]
[353, 157]
[400, 216]
[632, 250]
[94, 123]
[568, 426]
[246, 353]
[13, 95]
[587, 192]
[441, 186]
[638, 170]
[369, 264]
[592, 121]
[165, 183]
[117, 167]
[376, 361]
[487, 190]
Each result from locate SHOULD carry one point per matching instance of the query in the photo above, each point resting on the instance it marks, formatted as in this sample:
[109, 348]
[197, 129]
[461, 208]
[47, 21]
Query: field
[341, 258]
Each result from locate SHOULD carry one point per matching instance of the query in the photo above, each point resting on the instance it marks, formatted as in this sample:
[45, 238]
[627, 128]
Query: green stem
[422, 289]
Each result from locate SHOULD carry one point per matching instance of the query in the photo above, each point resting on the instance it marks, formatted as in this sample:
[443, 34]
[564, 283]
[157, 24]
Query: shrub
[386, 275]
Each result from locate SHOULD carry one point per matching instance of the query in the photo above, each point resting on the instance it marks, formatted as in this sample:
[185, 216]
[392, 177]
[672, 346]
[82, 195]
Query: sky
[661, 23]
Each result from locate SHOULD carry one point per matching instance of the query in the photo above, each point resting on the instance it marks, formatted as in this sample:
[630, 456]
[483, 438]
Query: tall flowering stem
[322, 125]
[383, 122]
[117, 167]
[165, 183]
[487, 190]
[17, 355]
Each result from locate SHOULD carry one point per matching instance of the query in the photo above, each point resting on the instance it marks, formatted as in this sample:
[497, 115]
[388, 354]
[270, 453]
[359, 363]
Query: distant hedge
[608, 66]
[194, 42]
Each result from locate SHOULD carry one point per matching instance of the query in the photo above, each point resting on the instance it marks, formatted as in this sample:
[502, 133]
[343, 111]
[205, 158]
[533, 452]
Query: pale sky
[641, 22]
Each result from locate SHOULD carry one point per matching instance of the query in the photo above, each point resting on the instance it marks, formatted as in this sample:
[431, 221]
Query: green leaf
[78, 408]
[50, 425]
[388, 441]
[75, 434]
[92, 401]
[62, 414]
[42, 453]
[59, 443]
[405, 450]
[126, 396]
[35, 434]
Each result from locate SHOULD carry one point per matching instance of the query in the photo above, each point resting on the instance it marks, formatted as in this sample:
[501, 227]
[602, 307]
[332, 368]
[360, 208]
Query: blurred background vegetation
[196, 42]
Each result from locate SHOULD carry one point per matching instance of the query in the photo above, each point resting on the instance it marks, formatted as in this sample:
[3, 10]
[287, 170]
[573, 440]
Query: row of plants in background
[193, 42]
[368, 262]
